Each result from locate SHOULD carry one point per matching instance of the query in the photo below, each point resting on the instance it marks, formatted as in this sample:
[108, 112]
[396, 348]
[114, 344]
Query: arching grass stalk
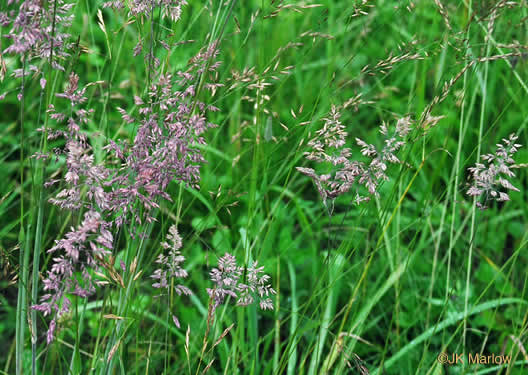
[24, 240]
[474, 208]
[451, 320]
[133, 255]
[38, 197]
[392, 279]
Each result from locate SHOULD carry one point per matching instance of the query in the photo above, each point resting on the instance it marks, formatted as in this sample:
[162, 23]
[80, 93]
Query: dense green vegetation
[383, 287]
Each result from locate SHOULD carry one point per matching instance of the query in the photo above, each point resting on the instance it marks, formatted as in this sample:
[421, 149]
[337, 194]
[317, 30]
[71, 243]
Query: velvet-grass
[388, 284]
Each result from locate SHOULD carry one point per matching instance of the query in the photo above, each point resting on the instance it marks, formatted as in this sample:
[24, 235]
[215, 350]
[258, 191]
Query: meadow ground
[356, 208]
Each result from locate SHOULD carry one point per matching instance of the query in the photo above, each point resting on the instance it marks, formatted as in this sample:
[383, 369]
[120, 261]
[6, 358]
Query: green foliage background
[413, 273]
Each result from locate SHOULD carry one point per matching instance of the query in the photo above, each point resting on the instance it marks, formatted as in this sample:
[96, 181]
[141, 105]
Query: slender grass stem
[23, 239]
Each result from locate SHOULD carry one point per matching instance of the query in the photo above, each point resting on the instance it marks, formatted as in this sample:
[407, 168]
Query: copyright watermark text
[473, 358]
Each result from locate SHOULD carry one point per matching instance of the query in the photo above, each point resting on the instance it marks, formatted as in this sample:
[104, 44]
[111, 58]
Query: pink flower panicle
[328, 148]
[76, 253]
[83, 173]
[490, 178]
[164, 148]
[170, 264]
[37, 32]
[170, 122]
[227, 284]
[169, 8]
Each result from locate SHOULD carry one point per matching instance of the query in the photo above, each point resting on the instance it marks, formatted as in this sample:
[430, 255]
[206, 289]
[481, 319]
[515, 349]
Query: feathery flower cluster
[82, 171]
[169, 8]
[170, 124]
[35, 31]
[81, 248]
[34, 36]
[164, 149]
[328, 147]
[170, 265]
[227, 284]
[257, 86]
[488, 180]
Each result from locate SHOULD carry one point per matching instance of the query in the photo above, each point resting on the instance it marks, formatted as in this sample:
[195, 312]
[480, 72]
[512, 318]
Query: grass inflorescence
[263, 187]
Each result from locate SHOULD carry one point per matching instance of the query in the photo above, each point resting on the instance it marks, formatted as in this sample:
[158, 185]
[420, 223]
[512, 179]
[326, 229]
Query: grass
[384, 287]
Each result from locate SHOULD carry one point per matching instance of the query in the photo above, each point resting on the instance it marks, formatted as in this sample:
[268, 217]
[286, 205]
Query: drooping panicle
[490, 179]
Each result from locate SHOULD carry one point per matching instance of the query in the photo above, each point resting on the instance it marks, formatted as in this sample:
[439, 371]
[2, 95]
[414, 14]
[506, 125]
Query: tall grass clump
[263, 187]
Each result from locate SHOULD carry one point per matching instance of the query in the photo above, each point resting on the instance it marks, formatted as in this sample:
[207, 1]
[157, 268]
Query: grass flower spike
[227, 284]
[490, 179]
[170, 264]
[341, 172]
